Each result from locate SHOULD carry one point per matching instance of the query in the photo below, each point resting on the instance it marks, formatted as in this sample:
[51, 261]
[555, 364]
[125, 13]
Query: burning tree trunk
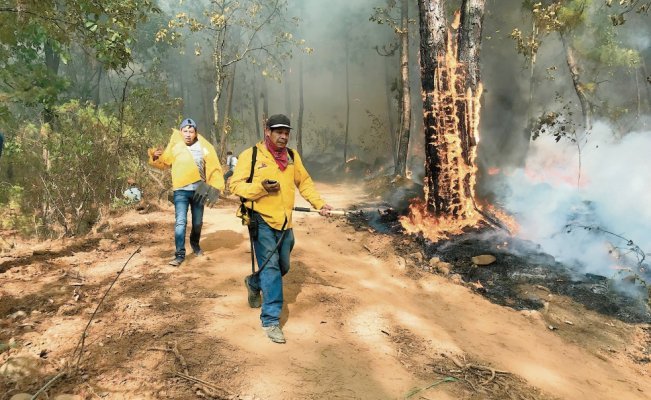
[451, 91]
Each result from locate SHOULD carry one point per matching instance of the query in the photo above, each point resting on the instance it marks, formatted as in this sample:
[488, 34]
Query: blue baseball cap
[188, 122]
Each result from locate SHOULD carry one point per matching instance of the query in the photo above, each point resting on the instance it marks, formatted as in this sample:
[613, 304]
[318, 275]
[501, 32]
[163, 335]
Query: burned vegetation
[502, 267]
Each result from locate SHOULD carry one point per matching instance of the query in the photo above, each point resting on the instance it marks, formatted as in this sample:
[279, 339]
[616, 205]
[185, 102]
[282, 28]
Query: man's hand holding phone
[270, 185]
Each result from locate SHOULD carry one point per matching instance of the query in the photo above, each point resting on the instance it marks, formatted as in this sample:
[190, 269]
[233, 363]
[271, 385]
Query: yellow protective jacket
[184, 169]
[273, 207]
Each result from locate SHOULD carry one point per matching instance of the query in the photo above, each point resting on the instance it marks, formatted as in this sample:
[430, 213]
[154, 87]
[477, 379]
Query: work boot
[176, 262]
[274, 333]
[254, 295]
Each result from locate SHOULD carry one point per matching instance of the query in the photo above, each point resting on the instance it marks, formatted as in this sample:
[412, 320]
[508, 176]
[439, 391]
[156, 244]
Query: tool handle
[308, 209]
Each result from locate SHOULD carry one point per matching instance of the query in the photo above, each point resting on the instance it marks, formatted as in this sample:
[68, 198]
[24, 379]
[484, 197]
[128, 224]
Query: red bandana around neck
[279, 153]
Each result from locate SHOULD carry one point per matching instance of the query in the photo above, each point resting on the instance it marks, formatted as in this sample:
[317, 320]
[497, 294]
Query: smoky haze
[537, 180]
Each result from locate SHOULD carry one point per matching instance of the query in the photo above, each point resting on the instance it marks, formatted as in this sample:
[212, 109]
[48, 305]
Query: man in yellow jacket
[269, 192]
[193, 160]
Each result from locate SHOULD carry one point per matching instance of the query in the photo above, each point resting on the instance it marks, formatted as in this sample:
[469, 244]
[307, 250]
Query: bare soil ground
[362, 322]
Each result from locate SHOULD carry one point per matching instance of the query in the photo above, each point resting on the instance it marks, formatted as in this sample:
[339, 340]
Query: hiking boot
[198, 252]
[176, 262]
[254, 295]
[274, 333]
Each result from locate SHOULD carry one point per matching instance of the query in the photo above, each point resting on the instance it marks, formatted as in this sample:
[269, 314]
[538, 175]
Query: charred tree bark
[405, 117]
[472, 17]
[433, 39]
[451, 89]
[469, 42]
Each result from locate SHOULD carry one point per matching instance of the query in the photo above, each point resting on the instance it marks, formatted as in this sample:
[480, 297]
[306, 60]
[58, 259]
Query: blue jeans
[228, 174]
[183, 201]
[269, 280]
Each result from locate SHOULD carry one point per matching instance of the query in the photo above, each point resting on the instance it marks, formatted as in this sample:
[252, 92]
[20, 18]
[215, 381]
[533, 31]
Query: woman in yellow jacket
[277, 173]
[193, 160]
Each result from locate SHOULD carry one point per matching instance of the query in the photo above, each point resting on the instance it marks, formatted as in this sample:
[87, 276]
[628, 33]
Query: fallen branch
[48, 384]
[173, 348]
[323, 284]
[82, 341]
[418, 390]
[206, 384]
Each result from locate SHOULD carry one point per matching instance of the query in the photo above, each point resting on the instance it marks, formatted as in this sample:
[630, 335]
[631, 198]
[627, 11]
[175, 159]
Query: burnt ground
[519, 265]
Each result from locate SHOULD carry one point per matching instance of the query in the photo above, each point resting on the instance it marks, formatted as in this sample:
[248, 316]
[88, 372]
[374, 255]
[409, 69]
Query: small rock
[552, 327]
[484, 259]
[17, 368]
[18, 314]
[67, 397]
[434, 261]
[21, 396]
[456, 278]
[402, 264]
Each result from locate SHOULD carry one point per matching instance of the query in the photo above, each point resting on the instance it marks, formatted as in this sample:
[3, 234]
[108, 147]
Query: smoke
[581, 225]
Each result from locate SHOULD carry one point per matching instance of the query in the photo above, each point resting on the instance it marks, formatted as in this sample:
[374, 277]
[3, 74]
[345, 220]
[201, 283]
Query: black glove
[206, 194]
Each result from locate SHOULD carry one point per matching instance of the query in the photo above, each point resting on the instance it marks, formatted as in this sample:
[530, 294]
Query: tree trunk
[227, 115]
[96, 95]
[256, 107]
[579, 87]
[347, 105]
[215, 109]
[433, 41]
[472, 16]
[288, 94]
[301, 107]
[52, 61]
[451, 89]
[390, 110]
[405, 118]
[469, 41]
[265, 100]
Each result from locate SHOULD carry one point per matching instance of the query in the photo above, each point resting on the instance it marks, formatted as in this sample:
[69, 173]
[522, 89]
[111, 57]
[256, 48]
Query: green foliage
[66, 172]
[35, 36]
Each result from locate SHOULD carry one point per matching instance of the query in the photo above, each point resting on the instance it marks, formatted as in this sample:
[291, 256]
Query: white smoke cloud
[614, 195]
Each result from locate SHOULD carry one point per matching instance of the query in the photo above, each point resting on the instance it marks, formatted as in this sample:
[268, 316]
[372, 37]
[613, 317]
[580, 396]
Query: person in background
[268, 191]
[193, 160]
[231, 162]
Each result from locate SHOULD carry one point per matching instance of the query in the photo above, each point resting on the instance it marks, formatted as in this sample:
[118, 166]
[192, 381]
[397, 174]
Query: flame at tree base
[419, 220]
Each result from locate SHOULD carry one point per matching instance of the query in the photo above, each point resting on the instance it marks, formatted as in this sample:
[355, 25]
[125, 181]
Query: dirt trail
[361, 322]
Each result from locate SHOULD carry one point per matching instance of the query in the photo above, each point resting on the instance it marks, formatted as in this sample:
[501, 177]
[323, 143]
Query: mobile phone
[271, 181]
